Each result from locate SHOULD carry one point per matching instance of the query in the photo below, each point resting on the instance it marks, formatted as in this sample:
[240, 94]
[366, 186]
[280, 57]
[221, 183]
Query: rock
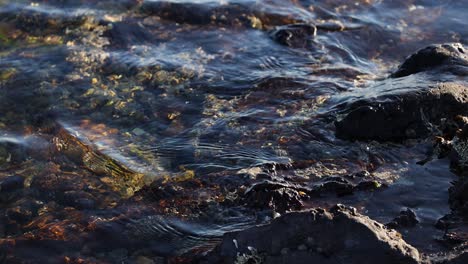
[19, 214]
[341, 186]
[278, 196]
[458, 192]
[369, 185]
[295, 35]
[12, 183]
[398, 109]
[458, 196]
[457, 256]
[79, 199]
[411, 106]
[462, 258]
[407, 218]
[337, 185]
[339, 234]
[452, 56]
[459, 151]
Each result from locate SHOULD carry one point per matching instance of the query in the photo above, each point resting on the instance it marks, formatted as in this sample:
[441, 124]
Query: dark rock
[12, 183]
[280, 197]
[457, 256]
[409, 107]
[452, 56]
[398, 109]
[454, 239]
[19, 214]
[296, 35]
[340, 234]
[462, 258]
[458, 196]
[369, 185]
[79, 200]
[459, 151]
[458, 192]
[337, 185]
[125, 34]
[407, 218]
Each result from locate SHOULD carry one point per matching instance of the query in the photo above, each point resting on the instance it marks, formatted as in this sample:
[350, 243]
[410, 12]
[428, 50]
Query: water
[116, 112]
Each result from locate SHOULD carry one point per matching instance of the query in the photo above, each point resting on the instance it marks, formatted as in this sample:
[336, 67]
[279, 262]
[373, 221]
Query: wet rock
[143, 260]
[401, 109]
[296, 35]
[19, 214]
[456, 237]
[407, 218]
[341, 186]
[458, 196]
[49, 186]
[452, 56]
[79, 199]
[369, 185]
[457, 256]
[280, 197]
[124, 34]
[411, 107]
[337, 185]
[458, 192]
[339, 234]
[460, 259]
[11, 152]
[12, 183]
[459, 151]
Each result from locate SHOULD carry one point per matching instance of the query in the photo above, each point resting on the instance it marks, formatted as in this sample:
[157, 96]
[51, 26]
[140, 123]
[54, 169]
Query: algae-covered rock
[122, 179]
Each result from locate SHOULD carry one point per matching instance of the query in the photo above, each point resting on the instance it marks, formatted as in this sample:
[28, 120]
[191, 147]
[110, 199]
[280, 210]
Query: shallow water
[153, 115]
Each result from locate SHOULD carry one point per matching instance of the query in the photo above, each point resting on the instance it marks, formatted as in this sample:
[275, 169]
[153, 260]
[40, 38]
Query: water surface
[135, 123]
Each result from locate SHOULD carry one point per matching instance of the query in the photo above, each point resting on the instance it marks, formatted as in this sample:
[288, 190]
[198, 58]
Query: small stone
[284, 251]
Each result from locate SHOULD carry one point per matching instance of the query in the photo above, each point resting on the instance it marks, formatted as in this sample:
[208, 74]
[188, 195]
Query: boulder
[450, 56]
[431, 88]
[340, 235]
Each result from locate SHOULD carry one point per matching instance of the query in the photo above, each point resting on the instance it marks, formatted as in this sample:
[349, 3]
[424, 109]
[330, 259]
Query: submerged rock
[12, 183]
[407, 218]
[316, 236]
[412, 106]
[295, 35]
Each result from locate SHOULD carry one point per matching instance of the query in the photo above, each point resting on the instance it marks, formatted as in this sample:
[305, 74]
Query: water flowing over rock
[411, 106]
